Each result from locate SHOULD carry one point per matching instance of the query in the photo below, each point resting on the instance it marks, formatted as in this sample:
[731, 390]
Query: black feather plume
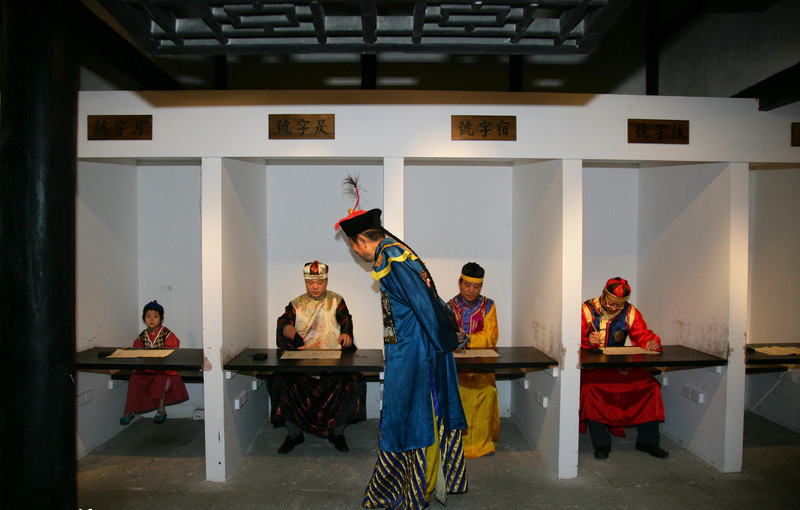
[352, 188]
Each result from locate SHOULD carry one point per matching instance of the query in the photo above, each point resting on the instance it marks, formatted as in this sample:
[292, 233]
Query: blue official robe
[421, 418]
[412, 360]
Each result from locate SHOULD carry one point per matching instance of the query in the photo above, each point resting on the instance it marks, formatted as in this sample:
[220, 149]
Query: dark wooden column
[38, 108]
[369, 71]
[652, 47]
[515, 69]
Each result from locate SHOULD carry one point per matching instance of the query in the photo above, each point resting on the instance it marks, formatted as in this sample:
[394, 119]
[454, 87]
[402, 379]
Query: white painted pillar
[394, 193]
[213, 378]
[737, 316]
[571, 285]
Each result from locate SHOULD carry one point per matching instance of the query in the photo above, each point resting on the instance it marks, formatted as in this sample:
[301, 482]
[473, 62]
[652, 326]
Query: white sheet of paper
[141, 353]
[312, 354]
[476, 353]
[777, 350]
[628, 350]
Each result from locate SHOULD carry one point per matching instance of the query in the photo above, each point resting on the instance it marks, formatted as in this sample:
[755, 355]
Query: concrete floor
[162, 468]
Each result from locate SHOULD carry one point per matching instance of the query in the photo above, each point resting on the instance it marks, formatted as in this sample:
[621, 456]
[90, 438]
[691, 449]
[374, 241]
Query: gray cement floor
[162, 468]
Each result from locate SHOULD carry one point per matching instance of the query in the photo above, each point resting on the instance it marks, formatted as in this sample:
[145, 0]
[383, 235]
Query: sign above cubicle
[120, 127]
[483, 127]
[658, 131]
[302, 126]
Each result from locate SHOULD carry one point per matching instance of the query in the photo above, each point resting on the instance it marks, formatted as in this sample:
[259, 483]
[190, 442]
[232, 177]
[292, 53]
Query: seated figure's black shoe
[652, 449]
[290, 442]
[601, 452]
[339, 442]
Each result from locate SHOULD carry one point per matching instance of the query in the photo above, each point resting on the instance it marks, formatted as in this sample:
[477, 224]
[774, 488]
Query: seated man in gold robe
[322, 405]
[477, 317]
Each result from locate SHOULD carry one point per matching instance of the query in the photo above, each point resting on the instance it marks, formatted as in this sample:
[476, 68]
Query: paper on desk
[628, 350]
[141, 353]
[776, 350]
[312, 354]
[476, 353]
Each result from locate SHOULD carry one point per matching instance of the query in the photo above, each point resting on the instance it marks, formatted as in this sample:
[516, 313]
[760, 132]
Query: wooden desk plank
[673, 356]
[361, 360]
[756, 358]
[510, 358]
[371, 360]
[179, 359]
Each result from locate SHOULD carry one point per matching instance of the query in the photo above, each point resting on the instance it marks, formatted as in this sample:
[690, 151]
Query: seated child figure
[154, 389]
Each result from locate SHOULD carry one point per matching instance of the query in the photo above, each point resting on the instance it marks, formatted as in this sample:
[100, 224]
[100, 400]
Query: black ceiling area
[572, 46]
[187, 27]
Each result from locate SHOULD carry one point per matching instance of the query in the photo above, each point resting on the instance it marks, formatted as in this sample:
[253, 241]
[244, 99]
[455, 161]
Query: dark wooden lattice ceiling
[207, 27]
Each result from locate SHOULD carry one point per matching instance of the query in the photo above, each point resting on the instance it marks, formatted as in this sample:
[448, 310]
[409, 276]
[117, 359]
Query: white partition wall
[774, 288]
[214, 391]
[546, 251]
[244, 298]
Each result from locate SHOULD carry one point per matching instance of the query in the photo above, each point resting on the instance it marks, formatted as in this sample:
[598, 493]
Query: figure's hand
[594, 339]
[652, 345]
[463, 340]
[289, 331]
[345, 340]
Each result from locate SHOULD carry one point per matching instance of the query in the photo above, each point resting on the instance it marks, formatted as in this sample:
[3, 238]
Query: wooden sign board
[658, 131]
[120, 127]
[302, 127]
[795, 134]
[483, 127]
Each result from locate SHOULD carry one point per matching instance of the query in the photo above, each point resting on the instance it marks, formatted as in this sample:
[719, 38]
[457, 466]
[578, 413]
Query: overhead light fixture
[398, 81]
[342, 81]
[548, 83]
[325, 58]
[388, 81]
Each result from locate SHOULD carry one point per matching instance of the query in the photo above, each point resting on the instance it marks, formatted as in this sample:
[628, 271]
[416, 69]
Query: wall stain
[712, 339]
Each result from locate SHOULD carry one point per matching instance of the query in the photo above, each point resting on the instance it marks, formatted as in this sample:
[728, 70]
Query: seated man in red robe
[322, 405]
[154, 389]
[612, 399]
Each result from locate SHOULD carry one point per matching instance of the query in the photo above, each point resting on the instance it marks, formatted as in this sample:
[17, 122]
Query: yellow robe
[479, 396]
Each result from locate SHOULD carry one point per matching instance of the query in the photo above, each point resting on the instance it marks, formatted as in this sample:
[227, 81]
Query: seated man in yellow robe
[477, 317]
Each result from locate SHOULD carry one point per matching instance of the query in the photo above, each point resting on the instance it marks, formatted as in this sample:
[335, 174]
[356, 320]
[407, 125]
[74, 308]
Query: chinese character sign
[658, 131]
[120, 127]
[302, 127]
[483, 127]
[795, 134]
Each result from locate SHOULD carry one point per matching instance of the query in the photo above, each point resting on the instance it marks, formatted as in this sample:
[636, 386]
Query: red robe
[146, 387]
[617, 398]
